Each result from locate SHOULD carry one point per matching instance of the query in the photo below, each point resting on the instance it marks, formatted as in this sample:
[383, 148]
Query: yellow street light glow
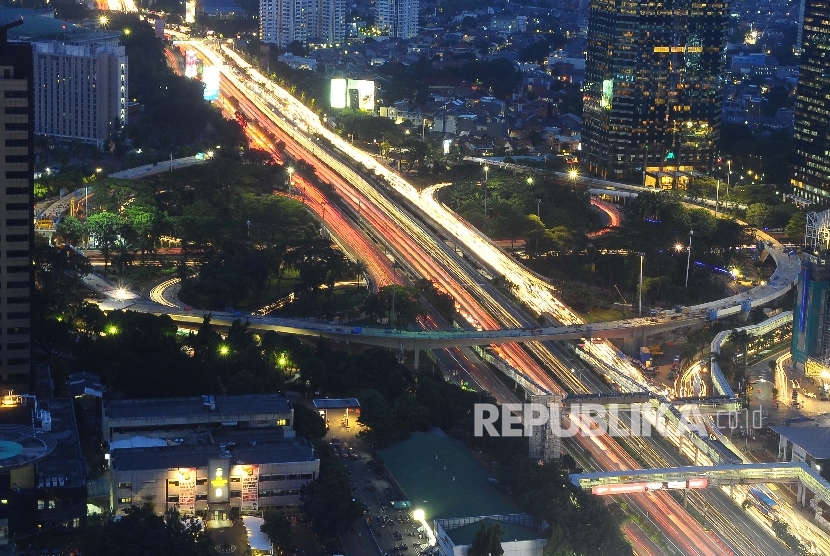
[99, 170]
[530, 180]
[573, 174]
[112, 329]
[103, 20]
[290, 170]
[209, 154]
[127, 31]
[678, 247]
[419, 515]
[223, 350]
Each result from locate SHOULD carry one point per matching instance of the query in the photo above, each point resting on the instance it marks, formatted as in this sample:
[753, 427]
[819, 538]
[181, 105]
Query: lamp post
[290, 171]
[539, 207]
[728, 175]
[689, 257]
[717, 198]
[486, 170]
[640, 288]
[394, 290]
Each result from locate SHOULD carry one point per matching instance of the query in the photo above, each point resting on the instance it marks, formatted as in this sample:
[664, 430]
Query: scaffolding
[817, 231]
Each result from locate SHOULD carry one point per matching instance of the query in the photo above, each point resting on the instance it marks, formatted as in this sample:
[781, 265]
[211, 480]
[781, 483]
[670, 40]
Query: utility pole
[640, 311]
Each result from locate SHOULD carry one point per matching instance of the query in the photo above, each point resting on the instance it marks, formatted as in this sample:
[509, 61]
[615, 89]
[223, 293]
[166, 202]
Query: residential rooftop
[167, 408]
[814, 440]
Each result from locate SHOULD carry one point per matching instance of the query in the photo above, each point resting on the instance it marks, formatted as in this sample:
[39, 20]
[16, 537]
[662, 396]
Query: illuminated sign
[210, 77]
[629, 488]
[654, 486]
[358, 94]
[187, 490]
[338, 93]
[698, 483]
[250, 485]
[365, 94]
[190, 11]
[190, 63]
[676, 484]
[447, 143]
[218, 473]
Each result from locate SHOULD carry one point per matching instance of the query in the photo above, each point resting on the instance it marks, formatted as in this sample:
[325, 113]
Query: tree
[487, 541]
[105, 227]
[71, 230]
[308, 422]
[758, 215]
[140, 532]
[796, 227]
[278, 529]
[327, 500]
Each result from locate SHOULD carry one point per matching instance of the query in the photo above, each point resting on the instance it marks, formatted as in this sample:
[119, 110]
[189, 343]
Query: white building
[397, 17]
[285, 21]
[80, 89]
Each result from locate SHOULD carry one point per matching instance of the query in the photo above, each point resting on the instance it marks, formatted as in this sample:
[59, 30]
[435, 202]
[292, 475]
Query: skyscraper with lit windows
[811, 134]
[652, 96]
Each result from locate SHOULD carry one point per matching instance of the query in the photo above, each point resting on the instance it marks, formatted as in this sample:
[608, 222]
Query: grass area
[598, 314]
[441, 476]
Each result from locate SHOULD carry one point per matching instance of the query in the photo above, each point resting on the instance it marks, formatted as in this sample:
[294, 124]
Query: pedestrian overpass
[812, 488]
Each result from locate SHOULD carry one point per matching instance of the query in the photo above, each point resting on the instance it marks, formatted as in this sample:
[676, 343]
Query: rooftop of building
[42, 25]
[512, 532]
[439, 475]
[66, 460]
[161, 408]
[336, 403]
[814, 440]
[168, 457]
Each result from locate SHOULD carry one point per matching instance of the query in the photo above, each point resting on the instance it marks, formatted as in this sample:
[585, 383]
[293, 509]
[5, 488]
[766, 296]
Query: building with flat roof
[521, 535]
[42, 470]
[214, 456]
[808, 444]
[81, 88]
[166, 417]
[214, 480]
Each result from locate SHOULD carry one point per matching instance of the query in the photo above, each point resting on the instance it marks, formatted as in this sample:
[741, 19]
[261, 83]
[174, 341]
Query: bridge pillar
[799, 497]
[417, 358]
[632, 344]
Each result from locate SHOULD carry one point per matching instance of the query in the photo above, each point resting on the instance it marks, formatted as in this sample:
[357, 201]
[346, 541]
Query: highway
[457, 272]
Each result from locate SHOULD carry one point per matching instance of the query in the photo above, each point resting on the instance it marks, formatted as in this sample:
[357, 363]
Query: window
[17, 142]
[18, 330]
[41, 504]
[293, 476]
[15, 191]
[21, 299]
[17, 174]
[236, 494]
[235, 479]
[17, 206]
[173, 483]
[202, 496]
[76, 522]
[201, 481]
[18, 361]
[51, 504]
[18, 253]
[125, 485]
[17, 221]
[17, 126]
[19, 345]
[307, 476]
[279, 477]
[16, 94]
[14, 158]
[17, 237]
[173, 499]
[125, 500]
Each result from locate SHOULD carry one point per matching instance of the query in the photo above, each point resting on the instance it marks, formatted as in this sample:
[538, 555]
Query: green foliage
[308, 423]
[278, 529]
[141, 532]
[765, 152]
[104, 229]
[71, 230]
[327, 500]
[487, 541]
[796, 228]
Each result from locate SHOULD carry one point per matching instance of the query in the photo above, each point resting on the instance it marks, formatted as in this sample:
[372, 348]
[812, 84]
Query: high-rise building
[811, 134]
[653, 89]
[285, 21]
[399, 18]
[81, 88]
[16, 225]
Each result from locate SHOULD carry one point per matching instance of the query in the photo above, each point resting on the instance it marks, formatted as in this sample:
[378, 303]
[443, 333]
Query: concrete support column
[799, 496]
[417, 358]
[632, 345]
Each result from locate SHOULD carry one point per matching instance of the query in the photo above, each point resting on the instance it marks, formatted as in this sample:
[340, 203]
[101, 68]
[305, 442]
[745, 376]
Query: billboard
[218, 480]
[190, 11]
[210, 77]
[187, 490]
[365, 93]
[338, 93]
[358, 94]
[190, 64]
[250, 485]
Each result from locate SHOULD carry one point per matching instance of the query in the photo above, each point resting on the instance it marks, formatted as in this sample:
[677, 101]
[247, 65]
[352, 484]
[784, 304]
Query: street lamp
[290, 171]
[640, 288]
[112, 330]
[728, 175]
[486, 170]
[224, 350]
[530, 180]
[689, 257]
[717, 198]
[573, 174]
[539, 207]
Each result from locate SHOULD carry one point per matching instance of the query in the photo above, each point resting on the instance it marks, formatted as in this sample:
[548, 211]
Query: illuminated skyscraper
[811, 136]
[653, 89]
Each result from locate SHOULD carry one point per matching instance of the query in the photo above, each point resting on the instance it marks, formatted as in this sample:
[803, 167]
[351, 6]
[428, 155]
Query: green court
[441, 476]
